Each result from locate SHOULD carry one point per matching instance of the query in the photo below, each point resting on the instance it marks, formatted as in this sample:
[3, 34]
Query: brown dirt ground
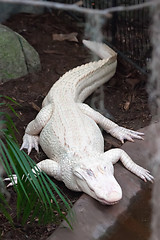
[125, 97]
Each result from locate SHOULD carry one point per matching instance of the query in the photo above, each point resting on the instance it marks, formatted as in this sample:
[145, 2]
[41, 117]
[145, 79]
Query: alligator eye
[90, 172]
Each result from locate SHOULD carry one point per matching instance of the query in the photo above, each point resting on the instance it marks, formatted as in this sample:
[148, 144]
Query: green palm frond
[4, 207]
[35, 195]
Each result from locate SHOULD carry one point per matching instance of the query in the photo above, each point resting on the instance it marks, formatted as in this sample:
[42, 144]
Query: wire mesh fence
[126, 31]
[130, 34]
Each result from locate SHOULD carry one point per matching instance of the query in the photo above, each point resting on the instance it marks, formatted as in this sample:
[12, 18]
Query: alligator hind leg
[30, 139]
[116, 131]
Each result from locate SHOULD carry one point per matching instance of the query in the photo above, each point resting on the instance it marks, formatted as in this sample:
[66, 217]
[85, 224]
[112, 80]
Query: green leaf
[4, 208]
[10, 99]
[12, 109]
[35, 196]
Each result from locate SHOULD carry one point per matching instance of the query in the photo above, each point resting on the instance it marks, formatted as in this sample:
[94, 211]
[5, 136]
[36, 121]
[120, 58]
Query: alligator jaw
[112, 199]
[104, 202]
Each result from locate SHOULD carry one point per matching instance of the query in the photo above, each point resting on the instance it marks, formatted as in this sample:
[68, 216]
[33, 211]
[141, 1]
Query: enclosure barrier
[126, 31]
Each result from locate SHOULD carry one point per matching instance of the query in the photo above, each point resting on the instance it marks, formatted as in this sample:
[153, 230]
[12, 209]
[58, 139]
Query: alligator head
[98, 181]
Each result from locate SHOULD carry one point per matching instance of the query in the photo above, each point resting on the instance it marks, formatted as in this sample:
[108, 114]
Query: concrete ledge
[93, 219]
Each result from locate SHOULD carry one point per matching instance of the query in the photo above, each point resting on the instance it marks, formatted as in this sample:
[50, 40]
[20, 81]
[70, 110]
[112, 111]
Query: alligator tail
[101, 49]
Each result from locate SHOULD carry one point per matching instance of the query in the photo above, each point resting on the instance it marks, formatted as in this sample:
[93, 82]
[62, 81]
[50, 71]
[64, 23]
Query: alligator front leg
[49, 166]
[30, 139]
[116, 131]
[116, 154]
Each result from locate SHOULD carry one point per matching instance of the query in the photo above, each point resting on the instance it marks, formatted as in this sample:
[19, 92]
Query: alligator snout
[115, 196]
[110, 198]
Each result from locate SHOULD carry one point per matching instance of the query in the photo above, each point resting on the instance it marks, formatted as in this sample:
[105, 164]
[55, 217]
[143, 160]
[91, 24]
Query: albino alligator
[71, 138]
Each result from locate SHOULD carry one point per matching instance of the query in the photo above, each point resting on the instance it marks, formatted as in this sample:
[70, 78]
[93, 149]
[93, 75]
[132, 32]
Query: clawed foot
[30, 142]
[122, 134]
[144, 174]
[13, 180]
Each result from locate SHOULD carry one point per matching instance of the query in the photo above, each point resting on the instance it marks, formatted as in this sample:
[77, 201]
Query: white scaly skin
[68, 133]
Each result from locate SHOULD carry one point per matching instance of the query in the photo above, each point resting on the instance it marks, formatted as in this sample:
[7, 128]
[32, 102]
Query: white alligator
[68, 132]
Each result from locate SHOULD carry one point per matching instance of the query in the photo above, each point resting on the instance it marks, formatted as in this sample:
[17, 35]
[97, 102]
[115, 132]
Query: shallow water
[135, 223]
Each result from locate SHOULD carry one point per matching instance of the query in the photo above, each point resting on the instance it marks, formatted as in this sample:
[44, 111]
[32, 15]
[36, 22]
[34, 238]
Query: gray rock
[17, 56]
